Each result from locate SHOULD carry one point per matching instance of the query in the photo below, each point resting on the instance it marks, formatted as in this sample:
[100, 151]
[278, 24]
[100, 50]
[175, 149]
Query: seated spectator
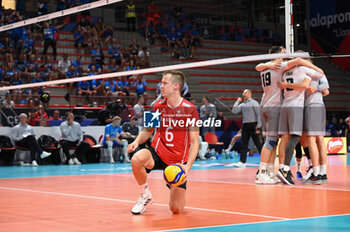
[44, 122]
[97, 54]
[139, 109]
[123, 87]
[150, 33]
[78, 65]
[56, 115]
[63, 65]
[140, 86]
[94, 63]
[79, 40]
[114, 51]
[70, 74]
[113, 66]
[107, 34]
[40, 113]
[97, 89]
[162, 34]
[84, 89]
[111, 137]
[72, 136]
[24, 136]
[144, 58]
[98, 29]
[48, 67]
[134, 51]
[171, 38]
[129, 134]
[8, 103]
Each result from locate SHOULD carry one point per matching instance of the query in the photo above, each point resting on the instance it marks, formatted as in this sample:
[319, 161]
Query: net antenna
[288, 7]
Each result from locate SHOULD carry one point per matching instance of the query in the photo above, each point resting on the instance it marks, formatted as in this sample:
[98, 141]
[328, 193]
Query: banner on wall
[335, 145]
[330, 29]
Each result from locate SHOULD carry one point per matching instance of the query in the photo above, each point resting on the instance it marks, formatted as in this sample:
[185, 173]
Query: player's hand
[239, 99]
[275, 65]
[257, 130]
[312, 89]
[132, 147]
[283, 84]
[186, 168]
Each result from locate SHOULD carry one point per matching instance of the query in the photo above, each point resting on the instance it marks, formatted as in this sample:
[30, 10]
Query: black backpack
[93, 154]
[7, 150]
[50, 144]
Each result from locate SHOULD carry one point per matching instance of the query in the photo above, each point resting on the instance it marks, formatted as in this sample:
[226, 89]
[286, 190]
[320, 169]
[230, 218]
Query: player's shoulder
[186, 103]
[160, 103]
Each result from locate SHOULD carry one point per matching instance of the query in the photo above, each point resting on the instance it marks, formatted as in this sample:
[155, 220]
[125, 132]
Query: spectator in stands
[70, 74]
[17, 93]
[79, 40]
[32, 67]
[42, 7]
[171, 38]
[63, 65]
[98, 67]
[123, 89]
[6, 48]
[97, 54]
[72, 136]
[134, 51]
[107, 34]
[131, 16]
[207, 111]
[24, 136]
[153, 13]
[104, 115]
[129, 134]
[162, 33]
[150, 33]
[144, 58]
[48, 67]
[61, 5]
[186, 49]
[140, 86]
[139, 109]
[111, 137]
[97, 89]
[44, 122]
[50, 40]
[185, 93]
[114, 51]
[113, 66]
[8, 103]
[78, 65]
[40, 113]
[56, 115]
[8, 74]
[99, 28]
[84, 89]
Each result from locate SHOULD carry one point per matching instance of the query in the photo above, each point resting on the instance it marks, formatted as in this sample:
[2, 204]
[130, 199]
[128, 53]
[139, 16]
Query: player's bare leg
[139, 162]
[177, 200]
[282, 149]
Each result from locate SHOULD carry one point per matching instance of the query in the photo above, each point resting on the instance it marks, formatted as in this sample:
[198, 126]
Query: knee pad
[271, 142]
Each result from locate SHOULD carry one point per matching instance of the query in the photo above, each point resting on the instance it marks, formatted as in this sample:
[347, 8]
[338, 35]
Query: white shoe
[141, 203]
[239, 165]
[34, 163]
[264, 178]
[274, 177]
[309, 172]
[45, 154]
[70, 162]
[76, 161]
[127, 160]
[112, 161]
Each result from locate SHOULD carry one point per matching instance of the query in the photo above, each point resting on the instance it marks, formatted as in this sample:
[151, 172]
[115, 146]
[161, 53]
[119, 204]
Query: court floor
[99, 197]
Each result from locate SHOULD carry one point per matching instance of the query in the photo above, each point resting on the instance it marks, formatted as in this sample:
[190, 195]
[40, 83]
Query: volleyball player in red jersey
[176, 141]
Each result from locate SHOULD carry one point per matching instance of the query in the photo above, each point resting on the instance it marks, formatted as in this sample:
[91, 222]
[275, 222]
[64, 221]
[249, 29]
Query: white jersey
[316, 97]
[272, 96]
[296, 97]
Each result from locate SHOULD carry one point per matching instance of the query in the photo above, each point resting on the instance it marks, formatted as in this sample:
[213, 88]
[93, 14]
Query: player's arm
[301, 85]
[269, 65]
[237, 108]
[140, 139]
[303, 62]
[194, 144]
[322, 87]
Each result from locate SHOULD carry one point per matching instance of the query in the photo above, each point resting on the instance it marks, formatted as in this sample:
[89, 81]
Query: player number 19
[266, 79]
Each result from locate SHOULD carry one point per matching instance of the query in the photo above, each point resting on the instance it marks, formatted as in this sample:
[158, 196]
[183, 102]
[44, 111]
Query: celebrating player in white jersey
[271, 74]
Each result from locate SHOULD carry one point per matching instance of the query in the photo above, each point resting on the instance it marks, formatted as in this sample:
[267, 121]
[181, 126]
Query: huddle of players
[292, 106]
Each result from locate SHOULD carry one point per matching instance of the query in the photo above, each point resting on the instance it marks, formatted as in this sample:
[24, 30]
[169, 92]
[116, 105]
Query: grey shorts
[270, 120]
[291, 121]
[315, 120]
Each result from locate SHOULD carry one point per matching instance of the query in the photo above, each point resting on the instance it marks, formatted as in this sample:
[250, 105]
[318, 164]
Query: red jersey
[172, 139]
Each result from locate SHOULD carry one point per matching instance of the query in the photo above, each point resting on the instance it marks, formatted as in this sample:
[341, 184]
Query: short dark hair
[276, 49]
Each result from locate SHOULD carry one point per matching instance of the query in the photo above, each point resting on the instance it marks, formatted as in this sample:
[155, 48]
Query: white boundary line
[250, 223]
[57, 14]
[164, 68]
[133, 202]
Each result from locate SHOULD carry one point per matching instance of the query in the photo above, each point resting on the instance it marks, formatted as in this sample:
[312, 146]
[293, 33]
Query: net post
[289, 36]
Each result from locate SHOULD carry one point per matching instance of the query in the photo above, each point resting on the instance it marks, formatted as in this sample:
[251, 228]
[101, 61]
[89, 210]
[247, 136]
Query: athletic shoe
[313, 180]
[239, 165]
[285, 177]
[34, 163]
[324, 179]
[308, 173]
[76, 161]
[45, 154]
[264, 178]
[126, 159]
[70, 162]
[274, 177]
[299, 176]
[141, 203]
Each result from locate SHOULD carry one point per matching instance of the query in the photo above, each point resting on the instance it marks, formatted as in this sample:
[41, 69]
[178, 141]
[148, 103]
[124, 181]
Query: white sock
[286, 168]
[281, 166]
[263, 166]
[229, 147]
[298, 166]
[310, 162]
[316, 170]
[271, 167]
[144, 188]
[323, 169]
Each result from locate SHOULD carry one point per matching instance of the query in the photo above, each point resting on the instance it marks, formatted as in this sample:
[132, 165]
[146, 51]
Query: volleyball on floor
[175, 175]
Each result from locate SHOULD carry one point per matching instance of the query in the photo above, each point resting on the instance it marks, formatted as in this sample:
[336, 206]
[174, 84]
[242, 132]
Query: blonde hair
[177, 77]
